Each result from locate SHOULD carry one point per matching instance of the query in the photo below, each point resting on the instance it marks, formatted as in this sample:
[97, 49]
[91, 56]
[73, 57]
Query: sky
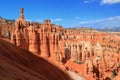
[67, 13]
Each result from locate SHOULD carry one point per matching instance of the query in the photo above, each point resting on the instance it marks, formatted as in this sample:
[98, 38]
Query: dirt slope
[18, 64]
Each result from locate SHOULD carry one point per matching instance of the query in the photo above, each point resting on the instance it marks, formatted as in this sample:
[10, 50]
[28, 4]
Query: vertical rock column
[13, 39]
[72, 51]
[33, 40]
[78, 53]
[44, 45]
[88, 67]
[18, 38]
[52, 45]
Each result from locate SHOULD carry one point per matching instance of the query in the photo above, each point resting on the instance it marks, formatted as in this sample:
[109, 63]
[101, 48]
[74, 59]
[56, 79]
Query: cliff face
[88, 52]
[19, 64]
[42, 39]
[6, 27]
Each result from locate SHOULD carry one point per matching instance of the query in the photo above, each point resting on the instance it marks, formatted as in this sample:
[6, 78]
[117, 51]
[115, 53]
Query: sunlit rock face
[19, 64]
[41, 39]
[97, 53]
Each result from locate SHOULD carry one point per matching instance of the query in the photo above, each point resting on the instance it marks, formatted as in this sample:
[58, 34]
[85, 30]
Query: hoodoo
[85, 52]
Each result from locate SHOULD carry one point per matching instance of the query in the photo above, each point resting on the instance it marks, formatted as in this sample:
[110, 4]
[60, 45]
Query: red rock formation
[16, 63]
[33, 39]
[93, 49]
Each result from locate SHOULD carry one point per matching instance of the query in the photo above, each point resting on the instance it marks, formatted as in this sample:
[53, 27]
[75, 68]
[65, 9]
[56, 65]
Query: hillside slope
[18, 64]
